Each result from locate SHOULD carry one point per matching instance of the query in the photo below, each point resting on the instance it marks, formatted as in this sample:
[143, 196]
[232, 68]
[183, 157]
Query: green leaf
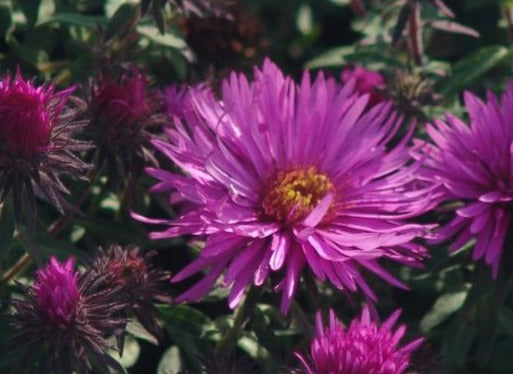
[31, 56]
[30, 9]
[131, 352]
[7, 226]
[443, 307]
[137, 330]
[171, 362]
[456, 343]
[122, 21]
[473, 67]
[166, 39]
[331, 58]
[77, 19]
[5, 20]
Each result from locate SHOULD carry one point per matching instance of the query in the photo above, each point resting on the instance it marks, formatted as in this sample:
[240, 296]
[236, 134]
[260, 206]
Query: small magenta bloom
[123, 114]
[25, 122]
[367, 82]
[36, 143]
[474, 166]
[57, 291]
[363, 348]
[66, 319]
[121, 102]
[281, 176]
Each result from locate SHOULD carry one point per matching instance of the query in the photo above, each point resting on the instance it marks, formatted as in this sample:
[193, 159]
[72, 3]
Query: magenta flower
[36, 143]
[283, 176]
[367, 82]
[123, 115]
[57, 292]
[363, 348]
[25, 123]
[66, 319]
[474, 165]
[121, 102]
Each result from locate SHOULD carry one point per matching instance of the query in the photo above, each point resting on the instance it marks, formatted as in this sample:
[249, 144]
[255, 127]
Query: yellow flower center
[293, 194]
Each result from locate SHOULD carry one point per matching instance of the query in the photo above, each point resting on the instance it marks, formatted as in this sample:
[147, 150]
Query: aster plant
[67, 319]
[37, 144]
[473, 166]
[281, 177]
[363, 347]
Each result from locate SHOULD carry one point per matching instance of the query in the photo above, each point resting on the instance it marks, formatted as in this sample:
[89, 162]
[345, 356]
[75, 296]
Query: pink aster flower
[36, 143]
[364, 348]
[57, 292]
[474, 165]
[367, 82]
[284, 176]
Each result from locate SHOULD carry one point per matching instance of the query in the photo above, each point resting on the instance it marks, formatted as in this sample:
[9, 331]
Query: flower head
[26, 125]
[36, 143]
[57, 291]
[141, 284]
[122, 116]
[364, 348]
[367, 82]
[282, 176]
[474, 165]
[67, 317]
[121, 102]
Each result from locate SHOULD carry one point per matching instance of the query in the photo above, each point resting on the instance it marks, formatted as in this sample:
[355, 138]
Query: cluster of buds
[71, 317]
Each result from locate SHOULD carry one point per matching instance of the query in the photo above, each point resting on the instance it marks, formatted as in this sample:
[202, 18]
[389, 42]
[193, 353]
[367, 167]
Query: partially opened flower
[474, 166]
[36, 143]
[282, 176]
[67, 318]
[365, 347]
[123, 114]
[367, 82]
[140, 282]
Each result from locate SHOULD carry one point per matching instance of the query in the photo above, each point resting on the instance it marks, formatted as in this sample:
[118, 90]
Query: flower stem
[242, 316]
[20, 265]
